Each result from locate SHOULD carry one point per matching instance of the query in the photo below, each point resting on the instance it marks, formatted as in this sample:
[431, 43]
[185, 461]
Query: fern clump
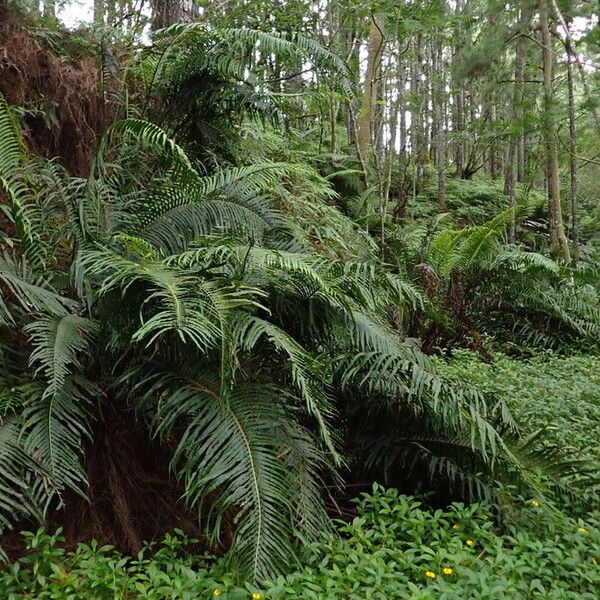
[255, 313]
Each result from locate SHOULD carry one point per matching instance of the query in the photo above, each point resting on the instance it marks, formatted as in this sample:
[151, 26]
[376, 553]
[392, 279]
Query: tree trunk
[519, 93]
[366, 114]
[515, 155]
[572, 58]
[440, 137]
[572, 147]
[509, 187]
[416, 130]
[459, 100]
[166, 12]
[493, 155]
[98, 12]
[558, 239]
[402, 109]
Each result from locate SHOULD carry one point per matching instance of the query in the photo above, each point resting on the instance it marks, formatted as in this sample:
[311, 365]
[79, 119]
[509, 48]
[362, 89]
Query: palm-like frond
[232, 451]
[243, 40]
[21, 203]
[55, 415]
[465, 248]
[27, 292]
[24, 486]
[193, 308]
[248, 330]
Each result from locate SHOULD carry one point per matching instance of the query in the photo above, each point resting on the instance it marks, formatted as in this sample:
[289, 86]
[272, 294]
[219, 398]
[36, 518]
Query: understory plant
[230, 311]
[392, 548]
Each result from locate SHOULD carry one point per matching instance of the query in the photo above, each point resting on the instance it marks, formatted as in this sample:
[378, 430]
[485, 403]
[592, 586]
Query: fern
[55, 417]
[229, 452]
[22, 210]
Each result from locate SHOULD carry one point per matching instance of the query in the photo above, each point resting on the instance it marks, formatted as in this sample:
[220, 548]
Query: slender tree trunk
[416, 113]
[509, 187]
[353, 59]
[572, 148]
[98, 12]
[519, 95]
[459, 99]
[515, 155]
[166, 12]
[493, 154]
[440, 141]
[571, 59]
[111, 11]
[366, 114]
[402, 109]
[558, 239]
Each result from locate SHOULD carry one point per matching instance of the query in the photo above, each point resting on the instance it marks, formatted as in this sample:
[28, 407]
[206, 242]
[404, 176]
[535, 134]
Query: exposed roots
[132, 497]
[63, 110]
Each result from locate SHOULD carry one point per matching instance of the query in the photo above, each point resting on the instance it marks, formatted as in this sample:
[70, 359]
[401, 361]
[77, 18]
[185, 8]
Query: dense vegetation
[258, 260]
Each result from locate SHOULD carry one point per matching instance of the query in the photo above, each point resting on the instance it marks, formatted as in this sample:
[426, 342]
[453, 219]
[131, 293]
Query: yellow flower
[470, 543]
[535, 503]
[447, 571]
[217, 592]
[582, 530]
[430, 574]
[256, 596]
[455, 526]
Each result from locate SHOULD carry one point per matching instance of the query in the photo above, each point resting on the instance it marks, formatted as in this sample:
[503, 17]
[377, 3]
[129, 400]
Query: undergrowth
[393, 548]
[396, 546]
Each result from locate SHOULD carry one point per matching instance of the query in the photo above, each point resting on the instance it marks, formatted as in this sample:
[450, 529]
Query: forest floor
[396, 547]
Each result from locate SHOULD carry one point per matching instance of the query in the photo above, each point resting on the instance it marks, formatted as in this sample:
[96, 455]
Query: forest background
[260, 258]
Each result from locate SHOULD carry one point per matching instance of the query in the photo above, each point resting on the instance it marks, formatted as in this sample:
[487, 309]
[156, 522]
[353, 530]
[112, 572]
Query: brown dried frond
[64, 108]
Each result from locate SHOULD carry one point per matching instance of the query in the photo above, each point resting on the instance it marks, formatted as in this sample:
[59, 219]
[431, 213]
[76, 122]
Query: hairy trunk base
[65, 112]
[132, 496]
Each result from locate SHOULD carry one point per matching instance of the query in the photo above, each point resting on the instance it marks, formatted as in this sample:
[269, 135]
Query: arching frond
[55, 415]
[191, 307]
[21, 207]
[232, 452]
[27, 292]
[24, 486]
[306, 372]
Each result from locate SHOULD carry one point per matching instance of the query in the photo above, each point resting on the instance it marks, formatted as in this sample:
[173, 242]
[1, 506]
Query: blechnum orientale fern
[237, 315]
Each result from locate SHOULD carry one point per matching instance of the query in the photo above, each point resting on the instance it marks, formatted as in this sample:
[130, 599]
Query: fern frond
[22, 208]
[55, 418]
[230, 457]
[248, 330]
[27, 293]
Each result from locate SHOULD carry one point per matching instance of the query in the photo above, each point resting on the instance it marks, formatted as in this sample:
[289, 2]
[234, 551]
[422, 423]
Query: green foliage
[251, 391]
[554, 393]
[20, 208]
[239, 293]
[482, 285]
[93, 571]
[474, 201]
[394, 548]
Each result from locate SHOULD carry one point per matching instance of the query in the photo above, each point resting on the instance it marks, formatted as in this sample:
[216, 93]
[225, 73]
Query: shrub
[548, 391]
[397, 549]
[393, 548]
